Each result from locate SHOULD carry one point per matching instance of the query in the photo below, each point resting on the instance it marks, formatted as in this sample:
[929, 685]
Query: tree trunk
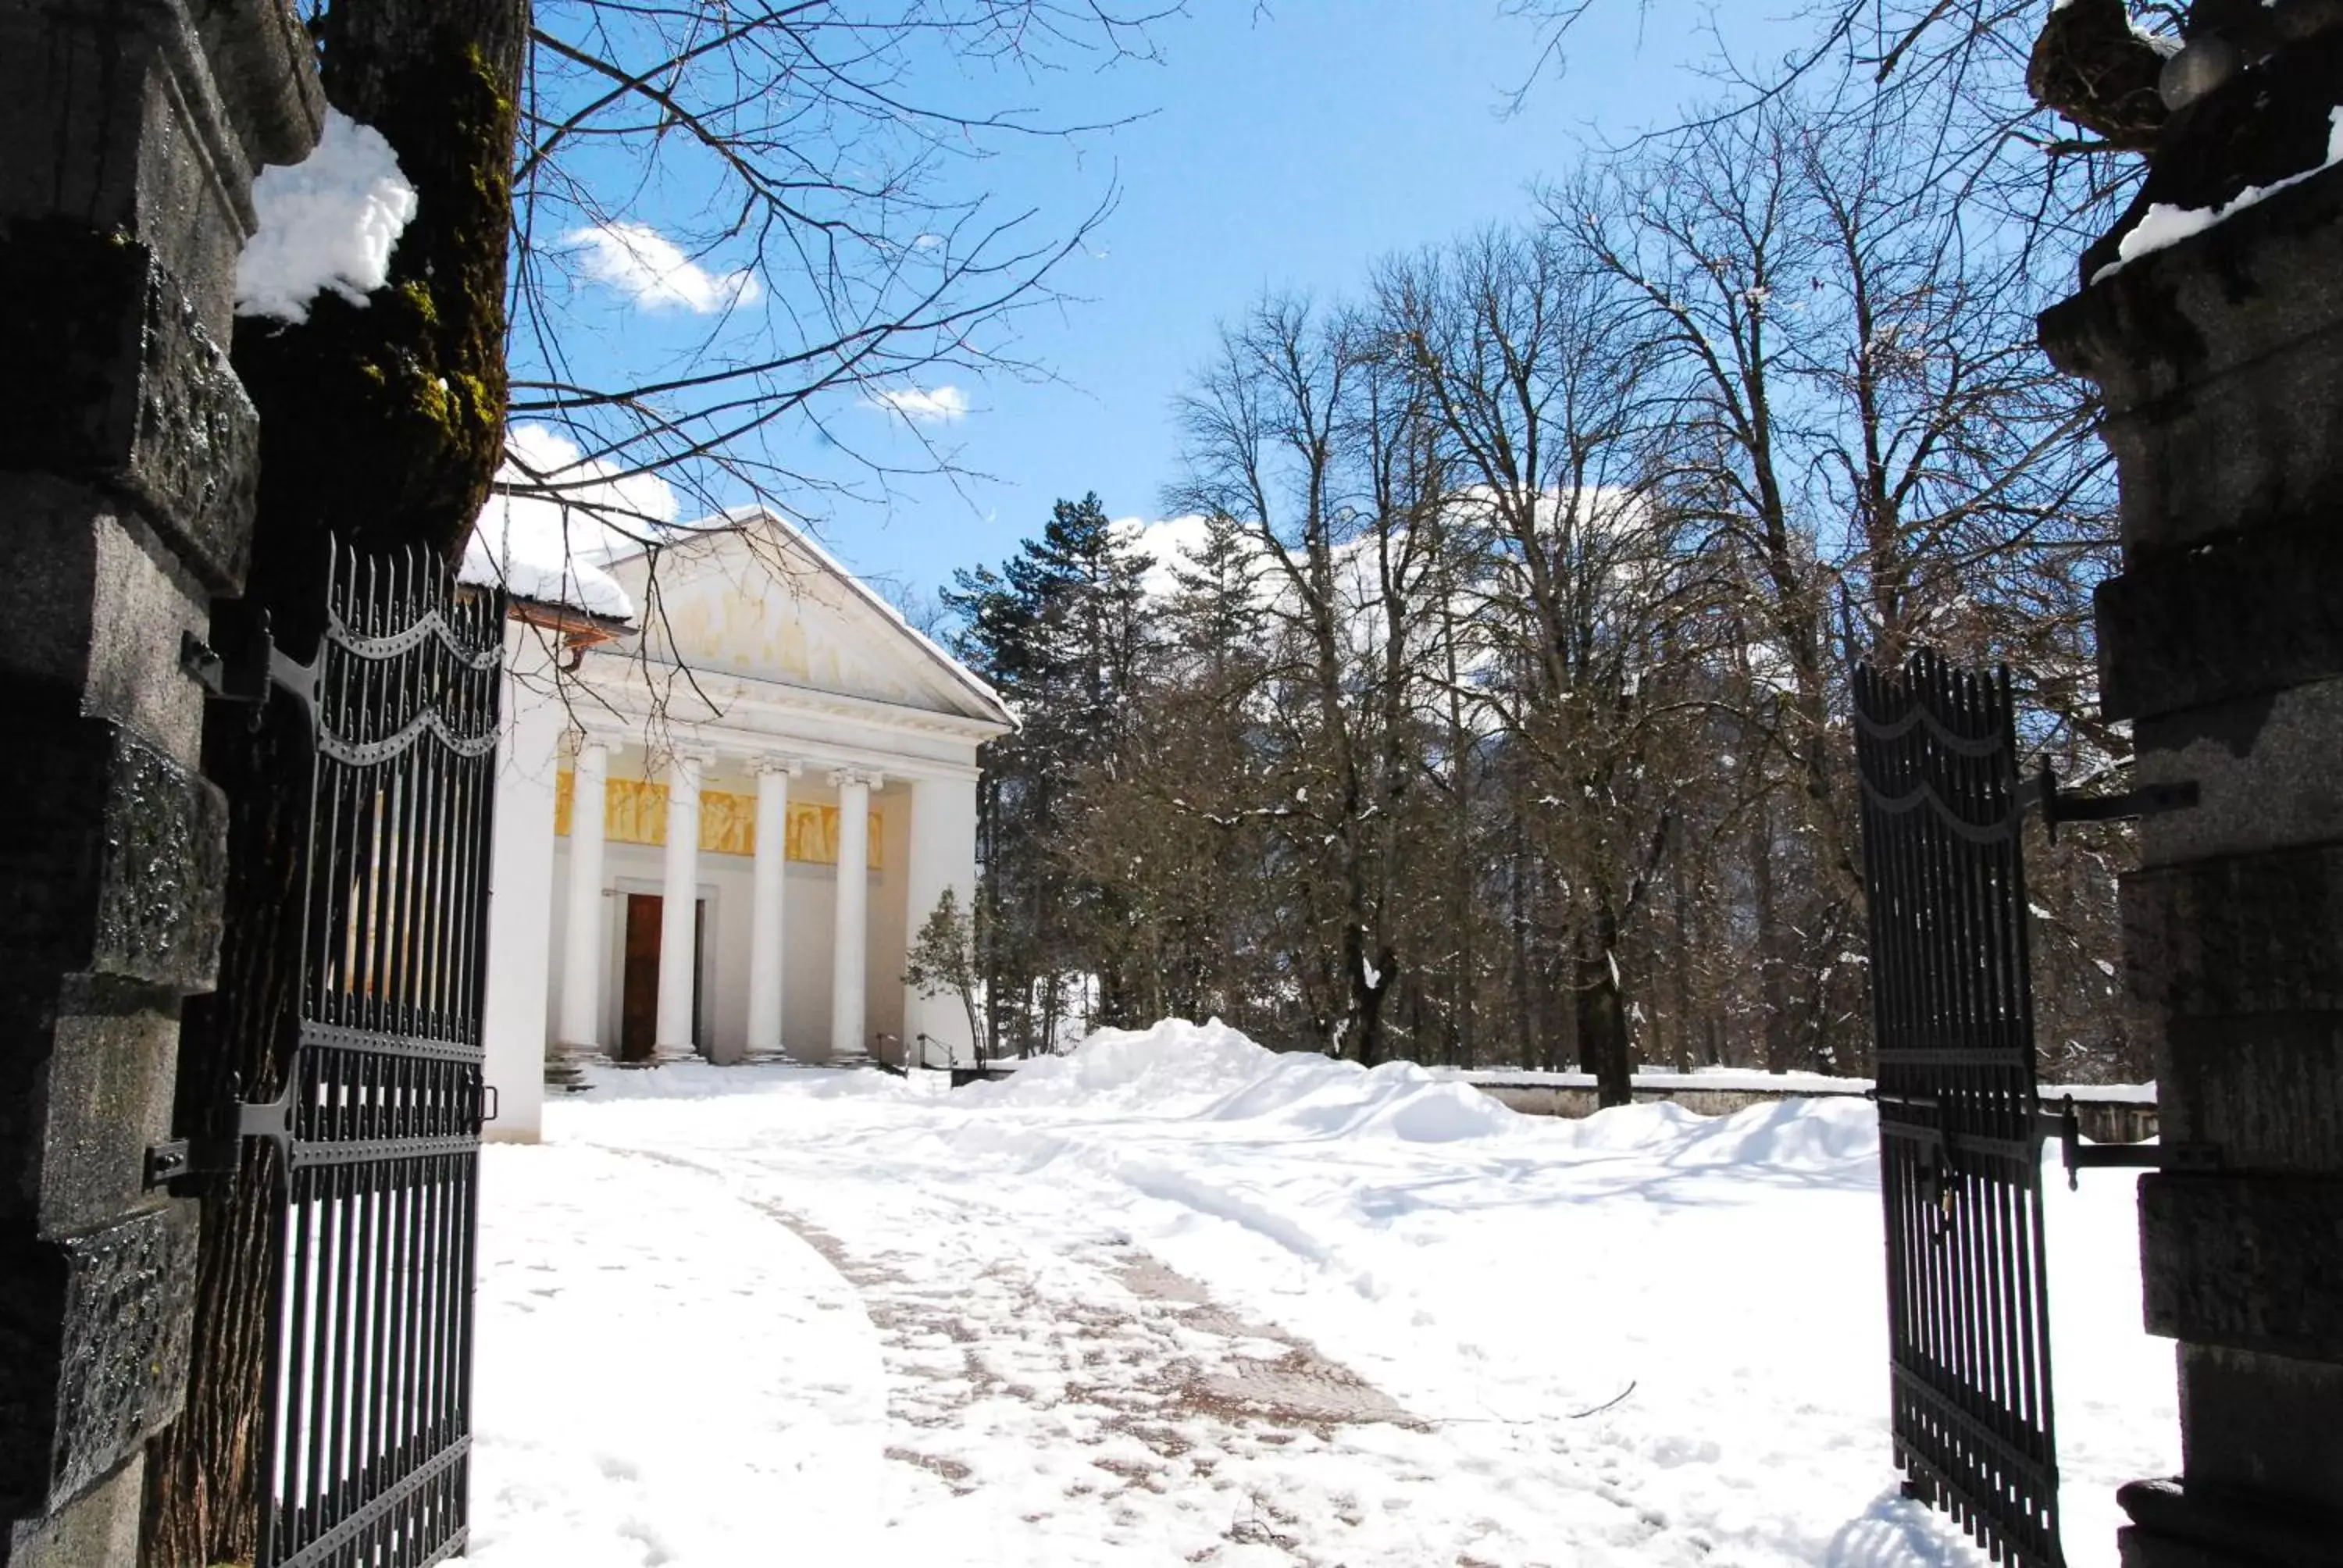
[1605, 1048]
[201, 1472]
[383, 425]
[1681, 902]
[1772, 989]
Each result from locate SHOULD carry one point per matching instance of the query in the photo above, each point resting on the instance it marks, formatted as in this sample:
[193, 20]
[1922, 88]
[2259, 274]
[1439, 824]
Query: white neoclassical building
[734, 782]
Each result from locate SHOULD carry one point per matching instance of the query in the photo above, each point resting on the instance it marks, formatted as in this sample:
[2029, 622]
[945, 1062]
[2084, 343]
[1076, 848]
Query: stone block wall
[130, 132]
[2220, 360]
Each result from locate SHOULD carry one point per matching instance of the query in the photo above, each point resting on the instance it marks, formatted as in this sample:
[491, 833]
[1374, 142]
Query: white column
[768, 932]
[520, 888]
[580, 1028]
[848, 953]
[678, 910]
[942, 855]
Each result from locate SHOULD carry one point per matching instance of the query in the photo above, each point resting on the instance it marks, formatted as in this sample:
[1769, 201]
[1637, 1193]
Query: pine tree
[1057, 630]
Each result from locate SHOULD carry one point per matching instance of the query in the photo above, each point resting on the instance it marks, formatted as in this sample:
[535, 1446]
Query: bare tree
[1313, 438]
[1544, 388]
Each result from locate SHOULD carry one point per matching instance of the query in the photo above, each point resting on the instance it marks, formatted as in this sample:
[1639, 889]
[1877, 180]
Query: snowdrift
[1211, 1073]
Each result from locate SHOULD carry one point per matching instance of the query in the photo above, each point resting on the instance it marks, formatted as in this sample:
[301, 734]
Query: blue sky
[1286, 147]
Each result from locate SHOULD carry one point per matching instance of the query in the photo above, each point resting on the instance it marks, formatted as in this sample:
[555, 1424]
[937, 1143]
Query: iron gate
[1960, 1152]
[378, 1130]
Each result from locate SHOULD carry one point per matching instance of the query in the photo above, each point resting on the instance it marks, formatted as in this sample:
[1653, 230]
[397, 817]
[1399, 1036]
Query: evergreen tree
[1057, 630]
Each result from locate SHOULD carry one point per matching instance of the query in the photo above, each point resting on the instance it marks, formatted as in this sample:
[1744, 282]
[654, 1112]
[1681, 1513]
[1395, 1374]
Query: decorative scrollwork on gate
[1960, 1151]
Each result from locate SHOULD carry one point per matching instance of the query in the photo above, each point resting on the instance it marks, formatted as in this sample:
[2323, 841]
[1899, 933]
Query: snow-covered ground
[1176, 1300]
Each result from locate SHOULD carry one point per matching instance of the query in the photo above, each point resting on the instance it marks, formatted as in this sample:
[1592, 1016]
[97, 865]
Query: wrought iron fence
[379, 1131]
[1960, 1151]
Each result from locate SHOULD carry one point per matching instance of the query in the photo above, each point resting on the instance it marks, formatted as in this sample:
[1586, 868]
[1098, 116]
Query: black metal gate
[379, 1131]
[1960, 1151]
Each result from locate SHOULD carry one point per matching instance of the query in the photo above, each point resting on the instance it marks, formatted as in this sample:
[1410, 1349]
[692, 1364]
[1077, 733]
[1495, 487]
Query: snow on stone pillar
[942, 855]
[768, 932]
[849, 947]
[520, 881]
[580, 1031]
[678, 910]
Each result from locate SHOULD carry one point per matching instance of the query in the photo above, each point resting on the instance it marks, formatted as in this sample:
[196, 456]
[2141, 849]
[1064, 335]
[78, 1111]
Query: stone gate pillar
[129, 135]
[2221, 362]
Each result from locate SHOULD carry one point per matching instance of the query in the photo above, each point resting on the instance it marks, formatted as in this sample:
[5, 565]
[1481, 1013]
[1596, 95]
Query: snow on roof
[549, 548]
[2164, 225]
[513, 550]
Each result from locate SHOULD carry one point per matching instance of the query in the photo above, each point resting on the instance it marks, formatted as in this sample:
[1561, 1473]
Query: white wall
[941, 853]
[515, 1011]
[809, 907]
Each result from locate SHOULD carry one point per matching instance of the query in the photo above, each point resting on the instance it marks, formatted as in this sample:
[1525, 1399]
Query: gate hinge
[189, 1166]
[248, 665]
[167, 1162]
[2193, 1158]
[243, 679]
[2147, 800]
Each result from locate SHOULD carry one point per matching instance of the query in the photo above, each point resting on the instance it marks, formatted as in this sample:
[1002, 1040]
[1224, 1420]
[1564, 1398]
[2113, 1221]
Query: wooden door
[639, 994]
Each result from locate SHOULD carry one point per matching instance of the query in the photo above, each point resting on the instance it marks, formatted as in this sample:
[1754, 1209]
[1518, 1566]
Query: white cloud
[941, 406]
[589, 491]
[637, 260]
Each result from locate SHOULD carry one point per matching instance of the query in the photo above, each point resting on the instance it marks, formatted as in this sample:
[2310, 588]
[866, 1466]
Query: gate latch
[2147, 800]
[2078, 1156]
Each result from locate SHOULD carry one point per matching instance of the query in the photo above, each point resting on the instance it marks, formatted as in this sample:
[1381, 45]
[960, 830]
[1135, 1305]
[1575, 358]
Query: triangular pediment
[752, 597]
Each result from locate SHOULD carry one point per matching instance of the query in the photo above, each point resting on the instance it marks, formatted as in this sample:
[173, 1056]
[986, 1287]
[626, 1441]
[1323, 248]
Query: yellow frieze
[635, 812]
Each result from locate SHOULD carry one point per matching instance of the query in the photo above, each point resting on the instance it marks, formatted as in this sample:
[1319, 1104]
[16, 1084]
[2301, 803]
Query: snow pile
[2166, 224]
[1815, 1138]
[1174, 1069]
[328, 222]
[1317, 1097]
[544, 548]
[1211, 1074]
[1728, 1080]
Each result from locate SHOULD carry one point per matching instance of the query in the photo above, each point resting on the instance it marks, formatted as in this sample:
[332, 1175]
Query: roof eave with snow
[577, 628]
